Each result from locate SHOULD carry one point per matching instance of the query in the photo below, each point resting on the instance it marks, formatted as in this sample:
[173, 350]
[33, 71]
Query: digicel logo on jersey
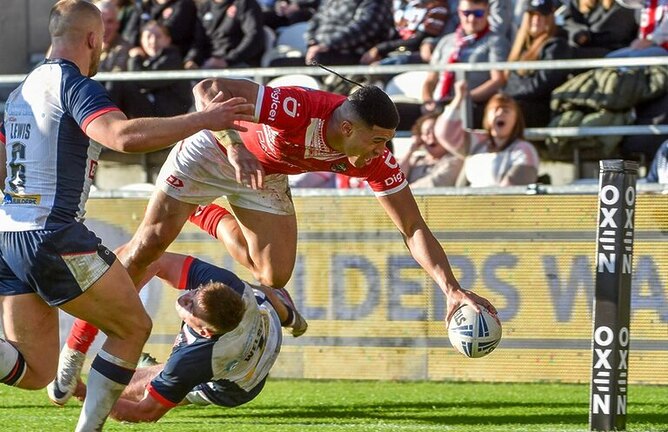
[290, 105]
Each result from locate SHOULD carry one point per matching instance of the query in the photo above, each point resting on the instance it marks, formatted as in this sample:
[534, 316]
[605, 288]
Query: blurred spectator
[472, 42]
[341, 31]
[658, 171]
[414, 20]
[179, 16]
[125, 10]
[498, 157]
[232, 35]
[288, 12]
[115, 49]
[652, 37]
[596, 27]
[154, 98]
[500, 20]
[428, 162]
[537, 39]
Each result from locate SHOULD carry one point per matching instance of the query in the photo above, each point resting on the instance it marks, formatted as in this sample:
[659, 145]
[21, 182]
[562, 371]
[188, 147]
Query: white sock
[107, 378]
[12, 365]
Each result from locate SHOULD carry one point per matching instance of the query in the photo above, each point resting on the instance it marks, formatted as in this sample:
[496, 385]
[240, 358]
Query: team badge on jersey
[339, 167]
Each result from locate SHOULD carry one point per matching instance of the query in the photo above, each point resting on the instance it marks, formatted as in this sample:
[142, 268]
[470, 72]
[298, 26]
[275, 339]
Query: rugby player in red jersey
[294, 130]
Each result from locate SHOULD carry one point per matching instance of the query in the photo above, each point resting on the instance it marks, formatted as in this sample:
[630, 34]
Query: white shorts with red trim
[197, 171]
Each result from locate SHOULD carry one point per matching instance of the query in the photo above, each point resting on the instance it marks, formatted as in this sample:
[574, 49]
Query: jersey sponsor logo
[390, 161]
[174, 181]
[92, 169]
[396, 178]
[21, 199]
[273, 106]
[290, 106]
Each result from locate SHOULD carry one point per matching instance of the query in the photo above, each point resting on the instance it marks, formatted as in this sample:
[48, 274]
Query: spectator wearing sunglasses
[472, 42]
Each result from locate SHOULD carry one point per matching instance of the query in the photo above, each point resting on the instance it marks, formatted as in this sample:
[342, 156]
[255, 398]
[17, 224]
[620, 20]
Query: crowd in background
[217, 34]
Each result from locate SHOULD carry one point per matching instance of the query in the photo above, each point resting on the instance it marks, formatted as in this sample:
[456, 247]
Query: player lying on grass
[229, 340]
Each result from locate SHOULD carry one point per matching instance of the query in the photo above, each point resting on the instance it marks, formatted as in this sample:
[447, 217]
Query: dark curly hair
[373, 106]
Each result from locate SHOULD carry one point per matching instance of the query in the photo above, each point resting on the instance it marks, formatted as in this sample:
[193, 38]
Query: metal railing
[263, 74]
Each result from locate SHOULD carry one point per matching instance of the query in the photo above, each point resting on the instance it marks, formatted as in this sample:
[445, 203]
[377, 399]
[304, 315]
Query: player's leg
[162, 223]
[29, 350]
[270, 242]
[266, 242]
[262, 236]
[112, 305]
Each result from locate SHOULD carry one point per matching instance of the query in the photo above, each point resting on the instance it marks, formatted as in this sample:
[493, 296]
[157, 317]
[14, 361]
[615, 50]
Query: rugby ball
[474, 334]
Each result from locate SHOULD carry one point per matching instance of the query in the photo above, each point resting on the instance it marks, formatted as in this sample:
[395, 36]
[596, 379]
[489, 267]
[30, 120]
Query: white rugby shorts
[197, 171]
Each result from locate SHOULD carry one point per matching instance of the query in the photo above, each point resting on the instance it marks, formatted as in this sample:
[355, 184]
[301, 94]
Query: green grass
[356, 406]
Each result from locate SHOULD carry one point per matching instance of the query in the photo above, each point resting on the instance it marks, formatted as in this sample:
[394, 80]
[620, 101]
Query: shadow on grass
[437, 413]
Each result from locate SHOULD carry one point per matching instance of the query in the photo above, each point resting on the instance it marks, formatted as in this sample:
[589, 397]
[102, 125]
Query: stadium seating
[406, 87]
[289, 42]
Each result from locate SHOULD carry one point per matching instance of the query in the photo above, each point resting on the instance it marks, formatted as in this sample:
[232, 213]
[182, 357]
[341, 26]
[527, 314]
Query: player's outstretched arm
[427, 251]
[115, 131]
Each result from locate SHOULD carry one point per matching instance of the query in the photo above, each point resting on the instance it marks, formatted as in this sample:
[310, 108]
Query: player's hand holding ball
[474, 334]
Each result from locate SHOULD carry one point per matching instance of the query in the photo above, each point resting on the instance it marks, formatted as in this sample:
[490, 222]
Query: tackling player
[297, 130]
[229, 340]
[49, 139]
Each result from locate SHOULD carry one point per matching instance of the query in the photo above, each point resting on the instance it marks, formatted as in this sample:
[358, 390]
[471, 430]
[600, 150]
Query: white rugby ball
[474, 334]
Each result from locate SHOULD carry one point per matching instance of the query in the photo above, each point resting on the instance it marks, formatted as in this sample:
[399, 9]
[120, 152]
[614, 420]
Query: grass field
[355, 406]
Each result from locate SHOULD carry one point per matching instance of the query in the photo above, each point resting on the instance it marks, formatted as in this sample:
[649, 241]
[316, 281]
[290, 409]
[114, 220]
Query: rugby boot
[298, 326]
[70, 363]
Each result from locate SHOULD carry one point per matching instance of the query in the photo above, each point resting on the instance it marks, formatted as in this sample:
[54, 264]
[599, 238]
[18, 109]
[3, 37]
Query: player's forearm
[150, 134]
[427, 251]
[129, 411]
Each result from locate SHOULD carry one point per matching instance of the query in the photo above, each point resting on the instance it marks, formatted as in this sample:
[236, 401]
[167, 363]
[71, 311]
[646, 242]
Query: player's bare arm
[206, 90]
[146, 410]
[115, 131]
[427, 251]
[249, 171]
[135, 404]
[169, 267]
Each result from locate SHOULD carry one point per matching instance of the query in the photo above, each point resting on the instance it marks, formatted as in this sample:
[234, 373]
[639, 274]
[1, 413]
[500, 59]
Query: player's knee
[147, 249]
[272, 278]
[135, 328]
[143, 327]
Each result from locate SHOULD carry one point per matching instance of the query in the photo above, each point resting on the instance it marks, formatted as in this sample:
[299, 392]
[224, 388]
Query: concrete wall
[23, 32]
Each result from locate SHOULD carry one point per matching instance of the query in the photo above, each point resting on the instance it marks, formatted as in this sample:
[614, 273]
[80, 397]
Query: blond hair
[526, 47]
